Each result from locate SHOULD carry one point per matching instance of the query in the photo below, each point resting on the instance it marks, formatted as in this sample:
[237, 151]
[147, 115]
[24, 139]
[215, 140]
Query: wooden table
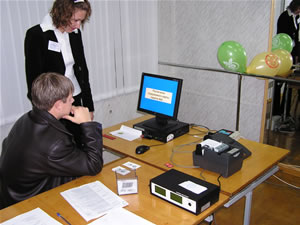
[143, 204]
[263, 157]
[256, 168]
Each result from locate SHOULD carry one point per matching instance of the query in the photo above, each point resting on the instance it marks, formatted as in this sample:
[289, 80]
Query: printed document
[33, 217]
[93, 200]
[121, 216]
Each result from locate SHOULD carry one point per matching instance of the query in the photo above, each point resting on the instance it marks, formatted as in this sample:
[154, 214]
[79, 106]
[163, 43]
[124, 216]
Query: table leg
[285, 102]
[209, 218]
[247, 192]
[247, 211]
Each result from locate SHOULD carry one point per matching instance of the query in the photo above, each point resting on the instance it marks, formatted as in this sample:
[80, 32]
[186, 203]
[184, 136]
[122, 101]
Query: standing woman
[55, 45]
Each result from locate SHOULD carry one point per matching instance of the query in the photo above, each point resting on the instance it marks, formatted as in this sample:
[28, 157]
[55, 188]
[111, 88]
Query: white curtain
[120, 42]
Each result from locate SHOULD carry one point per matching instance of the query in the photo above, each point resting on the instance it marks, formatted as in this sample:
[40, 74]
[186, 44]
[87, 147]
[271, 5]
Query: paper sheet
[121, 216]
[93, 200]
[193, 187]
[127, 133]
[33, 217]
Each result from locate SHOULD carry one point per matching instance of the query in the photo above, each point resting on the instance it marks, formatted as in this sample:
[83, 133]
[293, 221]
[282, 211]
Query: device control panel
[175, 198]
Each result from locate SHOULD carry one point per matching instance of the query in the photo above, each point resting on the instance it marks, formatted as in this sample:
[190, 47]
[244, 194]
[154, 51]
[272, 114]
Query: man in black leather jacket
[40, 153]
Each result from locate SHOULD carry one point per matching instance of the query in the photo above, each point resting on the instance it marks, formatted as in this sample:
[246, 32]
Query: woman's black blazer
[39, 59]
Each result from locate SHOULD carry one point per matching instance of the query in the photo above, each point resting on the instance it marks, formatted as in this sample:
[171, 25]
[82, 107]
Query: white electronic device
[213, 145]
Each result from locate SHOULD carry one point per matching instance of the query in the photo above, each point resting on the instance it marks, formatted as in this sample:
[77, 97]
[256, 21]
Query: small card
[127, 186]
[132, 165]
[120, 170]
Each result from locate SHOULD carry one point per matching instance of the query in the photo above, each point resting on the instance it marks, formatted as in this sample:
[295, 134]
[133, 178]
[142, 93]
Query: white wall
[190, 32]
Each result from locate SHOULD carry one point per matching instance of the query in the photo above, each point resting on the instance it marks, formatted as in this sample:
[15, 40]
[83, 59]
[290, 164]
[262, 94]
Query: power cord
[194, 126]
[219, 180]
[291, 185]
[175, 150]
[201, 175]
[283, 181]
[156, 145]
[290, 165]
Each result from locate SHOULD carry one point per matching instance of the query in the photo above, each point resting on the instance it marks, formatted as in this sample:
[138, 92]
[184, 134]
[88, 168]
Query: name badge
[54, 46]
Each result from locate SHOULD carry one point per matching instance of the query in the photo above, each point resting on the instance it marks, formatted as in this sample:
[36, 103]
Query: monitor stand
[162, 131]
[160, 123]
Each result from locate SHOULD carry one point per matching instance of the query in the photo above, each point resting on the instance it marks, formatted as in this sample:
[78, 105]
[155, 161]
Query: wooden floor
[273, 202]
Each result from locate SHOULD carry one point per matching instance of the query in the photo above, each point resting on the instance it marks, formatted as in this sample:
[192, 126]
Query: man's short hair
[49, 88]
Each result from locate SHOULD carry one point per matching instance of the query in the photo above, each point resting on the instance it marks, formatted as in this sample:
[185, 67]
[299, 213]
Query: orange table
[256, 168]
[143, 204]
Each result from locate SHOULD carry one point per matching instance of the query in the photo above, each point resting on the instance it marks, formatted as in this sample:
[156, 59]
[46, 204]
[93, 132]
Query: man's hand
[80, 115]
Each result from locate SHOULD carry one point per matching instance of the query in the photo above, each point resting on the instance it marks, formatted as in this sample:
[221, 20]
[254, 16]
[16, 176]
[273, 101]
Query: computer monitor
[160, 96]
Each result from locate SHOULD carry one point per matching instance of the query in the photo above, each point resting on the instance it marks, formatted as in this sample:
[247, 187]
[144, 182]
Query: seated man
[40, 153]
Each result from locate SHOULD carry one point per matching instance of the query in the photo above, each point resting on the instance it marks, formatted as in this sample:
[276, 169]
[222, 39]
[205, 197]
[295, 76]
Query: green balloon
[232, 56]
[282, 41]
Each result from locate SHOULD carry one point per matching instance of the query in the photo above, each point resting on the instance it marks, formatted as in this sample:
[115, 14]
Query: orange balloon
[265, 63]
[286, 62]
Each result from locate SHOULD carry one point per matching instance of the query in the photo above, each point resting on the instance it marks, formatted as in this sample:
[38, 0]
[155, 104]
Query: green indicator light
[176, 198]
[160, 190]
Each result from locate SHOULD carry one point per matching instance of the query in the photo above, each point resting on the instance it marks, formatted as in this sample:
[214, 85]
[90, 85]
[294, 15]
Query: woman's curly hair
[62, 11]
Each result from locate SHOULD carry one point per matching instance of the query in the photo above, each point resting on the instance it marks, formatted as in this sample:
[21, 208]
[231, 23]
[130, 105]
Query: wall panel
[190, 32]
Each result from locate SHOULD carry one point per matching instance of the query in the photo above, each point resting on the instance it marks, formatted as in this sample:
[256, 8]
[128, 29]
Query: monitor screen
[160, 95]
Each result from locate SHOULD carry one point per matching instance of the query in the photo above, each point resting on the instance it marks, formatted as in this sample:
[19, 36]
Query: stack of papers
[93, 200]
